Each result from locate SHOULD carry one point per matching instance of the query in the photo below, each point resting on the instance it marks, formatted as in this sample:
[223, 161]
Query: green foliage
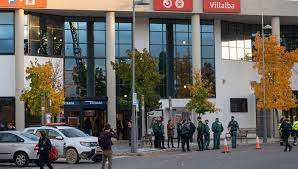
[200, 92]
[42, 89]
[147, 79]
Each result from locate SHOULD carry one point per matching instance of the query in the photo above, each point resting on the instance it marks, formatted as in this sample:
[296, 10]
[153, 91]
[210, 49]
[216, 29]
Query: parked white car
[72, 144]
[18, 148]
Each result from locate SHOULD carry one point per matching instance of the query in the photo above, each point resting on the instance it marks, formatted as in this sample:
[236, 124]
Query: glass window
[8, 138]
[53, 134]
[99, 37]
[207, 39]
[7, 109]
[156, 37]
[208, 52]
[6, 33]
[125, 37]
[100, 50]
[46, 35]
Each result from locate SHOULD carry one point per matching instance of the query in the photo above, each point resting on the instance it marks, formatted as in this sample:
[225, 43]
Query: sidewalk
[122, 148]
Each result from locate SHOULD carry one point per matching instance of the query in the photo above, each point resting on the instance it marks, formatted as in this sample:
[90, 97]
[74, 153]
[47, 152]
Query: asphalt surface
[244, 157]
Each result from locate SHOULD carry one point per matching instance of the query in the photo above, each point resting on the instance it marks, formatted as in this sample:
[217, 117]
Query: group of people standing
[185, 132]
[285, 130]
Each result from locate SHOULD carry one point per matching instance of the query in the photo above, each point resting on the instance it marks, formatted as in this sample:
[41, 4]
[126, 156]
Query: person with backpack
[185, 134]
[217, 129]
[200, 138]
[44, 146]
[105, 142]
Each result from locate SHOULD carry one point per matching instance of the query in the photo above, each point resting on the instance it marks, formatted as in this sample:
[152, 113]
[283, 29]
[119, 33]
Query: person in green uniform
[206, 135]
[217, 129]
[233, 128]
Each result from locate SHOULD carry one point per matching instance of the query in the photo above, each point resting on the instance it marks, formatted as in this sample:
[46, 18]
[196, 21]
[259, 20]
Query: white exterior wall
[7, 74]
[295, 77]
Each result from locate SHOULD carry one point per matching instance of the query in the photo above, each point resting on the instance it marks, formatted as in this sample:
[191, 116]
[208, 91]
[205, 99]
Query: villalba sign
[221, 6]
[173, 5]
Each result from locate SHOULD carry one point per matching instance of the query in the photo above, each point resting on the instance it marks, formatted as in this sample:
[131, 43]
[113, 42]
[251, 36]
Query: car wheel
[21, 159]
[97, 159]
[72, 156]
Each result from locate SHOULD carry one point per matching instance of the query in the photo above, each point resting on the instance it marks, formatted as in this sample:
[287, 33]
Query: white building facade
[184, 35]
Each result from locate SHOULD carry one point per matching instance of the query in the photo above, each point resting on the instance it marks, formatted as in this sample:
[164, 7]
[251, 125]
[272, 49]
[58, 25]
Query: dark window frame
[241, 107]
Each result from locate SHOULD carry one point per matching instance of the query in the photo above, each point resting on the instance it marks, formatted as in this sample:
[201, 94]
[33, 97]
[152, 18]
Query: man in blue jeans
[233, 127]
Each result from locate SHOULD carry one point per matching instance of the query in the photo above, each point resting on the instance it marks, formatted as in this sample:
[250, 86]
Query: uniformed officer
[281, 143]
[295, 131]
[155, 129]
[217, 129]
[286, 128]
[233, 128]
[206, 135]
[200, 135]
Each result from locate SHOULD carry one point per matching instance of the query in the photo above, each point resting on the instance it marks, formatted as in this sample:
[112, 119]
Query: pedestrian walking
[295, 131]
[161, 133]
[206, 135]
[200, 138]
[286, 128]
[44, 146]
[192, 130]
[106, 144]
[186, 134]
[179, 131]
[217, 129]
[233, 128]
[170, 131]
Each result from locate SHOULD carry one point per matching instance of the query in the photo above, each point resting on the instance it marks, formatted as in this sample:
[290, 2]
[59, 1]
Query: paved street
[246, 157]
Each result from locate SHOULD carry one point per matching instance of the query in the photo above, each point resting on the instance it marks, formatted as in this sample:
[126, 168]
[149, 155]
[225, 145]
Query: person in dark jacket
[286, 129]
[155, 128]
[88, 126]
[161, 133]
[107, 153]
[192, 130]
[44, 145]
[186, 134]
[179, 129]
[206, 135]
[10, 126]
[200, 130]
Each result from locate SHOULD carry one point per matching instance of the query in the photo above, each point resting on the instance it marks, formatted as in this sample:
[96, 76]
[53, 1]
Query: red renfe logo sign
[222, 6]
[173, 5]
[25, 4]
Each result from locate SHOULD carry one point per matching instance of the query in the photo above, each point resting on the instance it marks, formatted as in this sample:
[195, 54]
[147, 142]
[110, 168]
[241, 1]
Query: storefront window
[46, 35]
[85, 71]
[289, 37]
[7, 110]
[6, 33]
[123, 40]
[237, 40]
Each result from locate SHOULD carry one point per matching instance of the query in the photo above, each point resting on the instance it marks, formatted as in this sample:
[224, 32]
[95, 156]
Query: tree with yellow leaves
[278, 66]
[200, 91]
[43, 89]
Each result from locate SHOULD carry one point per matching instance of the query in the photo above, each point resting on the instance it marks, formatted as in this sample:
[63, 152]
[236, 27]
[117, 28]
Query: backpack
[53, 154]
[102, 141]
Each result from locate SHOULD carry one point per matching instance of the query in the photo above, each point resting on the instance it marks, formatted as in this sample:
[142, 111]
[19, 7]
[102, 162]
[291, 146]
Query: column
[19, 68]
[111, 75]
[275, 22]
[196, 43]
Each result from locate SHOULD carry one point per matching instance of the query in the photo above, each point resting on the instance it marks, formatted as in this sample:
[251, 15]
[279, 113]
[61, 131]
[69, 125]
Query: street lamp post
[134, 127]
[267, 27]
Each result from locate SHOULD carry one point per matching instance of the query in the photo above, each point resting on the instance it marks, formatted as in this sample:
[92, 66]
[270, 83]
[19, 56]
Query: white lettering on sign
[179, 3]
[12, 2]
[30, 2]
[167, 3]
[222, 5]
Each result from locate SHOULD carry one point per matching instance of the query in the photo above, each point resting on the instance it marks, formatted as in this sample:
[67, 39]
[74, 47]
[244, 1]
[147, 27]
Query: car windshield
[72, 132]
[30, 136]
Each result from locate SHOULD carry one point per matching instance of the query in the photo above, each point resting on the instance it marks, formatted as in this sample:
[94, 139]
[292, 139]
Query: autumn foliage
[43, 85]
[200, 91]
[278, 73]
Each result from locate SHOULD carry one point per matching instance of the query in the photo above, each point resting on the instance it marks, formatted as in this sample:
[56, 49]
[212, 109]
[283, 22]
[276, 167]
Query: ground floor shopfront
[181, 43]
